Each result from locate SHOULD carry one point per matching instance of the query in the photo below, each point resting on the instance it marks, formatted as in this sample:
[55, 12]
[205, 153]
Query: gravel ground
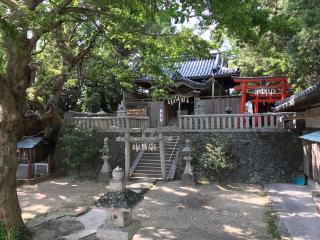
[174, 211]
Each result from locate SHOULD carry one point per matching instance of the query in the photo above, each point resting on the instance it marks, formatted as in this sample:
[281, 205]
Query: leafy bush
[17, 233]
[217, 155]
[79, 148]
[2, 231]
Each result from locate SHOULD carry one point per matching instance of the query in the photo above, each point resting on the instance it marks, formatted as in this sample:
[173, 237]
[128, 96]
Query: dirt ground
[169, 210]
[175, 211]
[55, 198]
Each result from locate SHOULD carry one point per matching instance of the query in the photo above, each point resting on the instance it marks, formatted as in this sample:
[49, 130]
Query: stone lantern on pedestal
[104, 174]
[118, 204]
[187, 176]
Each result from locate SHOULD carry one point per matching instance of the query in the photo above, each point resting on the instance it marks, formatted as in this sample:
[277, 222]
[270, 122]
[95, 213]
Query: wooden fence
[235, 122]
[111, 122]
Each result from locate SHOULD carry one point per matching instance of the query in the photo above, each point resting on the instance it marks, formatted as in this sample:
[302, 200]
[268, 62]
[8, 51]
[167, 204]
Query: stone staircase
[173, 122]
[149, 166]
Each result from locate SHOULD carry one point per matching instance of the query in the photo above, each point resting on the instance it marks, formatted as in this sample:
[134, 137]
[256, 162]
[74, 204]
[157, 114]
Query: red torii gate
[262, 90]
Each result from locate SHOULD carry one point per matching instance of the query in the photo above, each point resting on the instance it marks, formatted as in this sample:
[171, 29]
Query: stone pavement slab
[296, 210]
[93, 219]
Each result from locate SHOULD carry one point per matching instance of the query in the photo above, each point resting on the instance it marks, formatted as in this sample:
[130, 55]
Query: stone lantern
[122, 111]
[187, 175]
[118, 204]
[104, 174]
[199, 108]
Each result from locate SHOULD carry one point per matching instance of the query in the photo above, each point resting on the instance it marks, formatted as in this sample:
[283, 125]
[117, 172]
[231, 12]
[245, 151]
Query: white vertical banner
[161, 115]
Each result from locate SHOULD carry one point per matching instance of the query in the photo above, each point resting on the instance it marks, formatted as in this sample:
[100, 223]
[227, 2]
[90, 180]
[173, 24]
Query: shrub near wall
[94, 162]
[257, 157]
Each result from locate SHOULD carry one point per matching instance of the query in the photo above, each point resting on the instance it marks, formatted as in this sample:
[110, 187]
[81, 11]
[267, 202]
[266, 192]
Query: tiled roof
[204, 68]
[191, 83]
[310, 95]
[224, 71]
[190, 71]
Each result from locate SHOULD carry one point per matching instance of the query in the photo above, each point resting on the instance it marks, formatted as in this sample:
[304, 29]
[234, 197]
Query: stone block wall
[257, 157]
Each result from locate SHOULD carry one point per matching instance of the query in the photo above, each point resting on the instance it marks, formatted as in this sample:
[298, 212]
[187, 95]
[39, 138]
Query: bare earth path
[175, 211]
[58, 197]
[169, 210]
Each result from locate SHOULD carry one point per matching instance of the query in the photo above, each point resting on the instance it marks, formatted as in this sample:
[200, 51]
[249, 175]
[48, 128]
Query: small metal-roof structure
[29, 142]
[312, 137]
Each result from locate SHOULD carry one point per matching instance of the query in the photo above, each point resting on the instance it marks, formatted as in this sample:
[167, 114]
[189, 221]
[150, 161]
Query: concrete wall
[311, 154]
[258, 157]
[315, 122]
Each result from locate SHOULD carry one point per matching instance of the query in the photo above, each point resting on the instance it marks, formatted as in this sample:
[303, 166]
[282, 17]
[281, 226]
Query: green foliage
[289, 45]
[79, 147]
[217, 156]
[16, 233]
[2, 230]
[269, 218]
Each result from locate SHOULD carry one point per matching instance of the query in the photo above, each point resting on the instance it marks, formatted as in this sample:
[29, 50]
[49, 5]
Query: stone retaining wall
[257, 157]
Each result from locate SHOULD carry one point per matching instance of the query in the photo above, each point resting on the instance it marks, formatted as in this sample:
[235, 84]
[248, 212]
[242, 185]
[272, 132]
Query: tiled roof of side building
[310, 95]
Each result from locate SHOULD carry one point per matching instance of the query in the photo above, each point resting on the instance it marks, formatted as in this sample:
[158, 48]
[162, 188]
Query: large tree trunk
[12, 105]
[10, 212]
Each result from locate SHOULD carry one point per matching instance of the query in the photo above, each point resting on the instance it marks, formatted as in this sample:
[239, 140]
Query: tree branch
[32, 4]
[11, 4]
[45, 29]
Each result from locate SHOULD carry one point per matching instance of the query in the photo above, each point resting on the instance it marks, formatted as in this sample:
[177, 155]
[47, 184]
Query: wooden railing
[240, 122]
[110, 122]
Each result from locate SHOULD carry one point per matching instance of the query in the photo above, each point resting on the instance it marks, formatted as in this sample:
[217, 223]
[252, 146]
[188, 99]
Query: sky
[206, 35]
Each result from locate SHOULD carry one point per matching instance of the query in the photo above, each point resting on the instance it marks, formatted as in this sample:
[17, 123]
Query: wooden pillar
[127, 156]
[243, 97]
[284, 89]
[256, 104]
[162, 157]
[213, 82]
[29, 166]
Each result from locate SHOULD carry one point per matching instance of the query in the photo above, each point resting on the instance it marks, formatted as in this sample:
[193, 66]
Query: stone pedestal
[118, 203]
[122, 111]
[104, 175]
[199, 111]
[117, 184]
[107, 232]
[114, 185]
[187, 176]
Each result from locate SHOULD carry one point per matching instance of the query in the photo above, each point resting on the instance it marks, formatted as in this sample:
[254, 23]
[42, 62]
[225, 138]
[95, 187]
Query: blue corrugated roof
[29, 142]
[313, 137]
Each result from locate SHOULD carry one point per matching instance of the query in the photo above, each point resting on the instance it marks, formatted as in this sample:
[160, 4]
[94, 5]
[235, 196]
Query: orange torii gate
[262, 90]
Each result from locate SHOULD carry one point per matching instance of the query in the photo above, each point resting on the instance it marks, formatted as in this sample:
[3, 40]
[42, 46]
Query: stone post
[162, 156]
[104, 174]
[127, 156]
[187, 176]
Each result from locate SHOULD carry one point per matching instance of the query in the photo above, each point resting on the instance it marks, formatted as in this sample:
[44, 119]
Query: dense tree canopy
[80, 54]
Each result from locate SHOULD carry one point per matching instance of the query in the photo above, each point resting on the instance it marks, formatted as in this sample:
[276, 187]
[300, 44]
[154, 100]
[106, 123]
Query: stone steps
[149, 165]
